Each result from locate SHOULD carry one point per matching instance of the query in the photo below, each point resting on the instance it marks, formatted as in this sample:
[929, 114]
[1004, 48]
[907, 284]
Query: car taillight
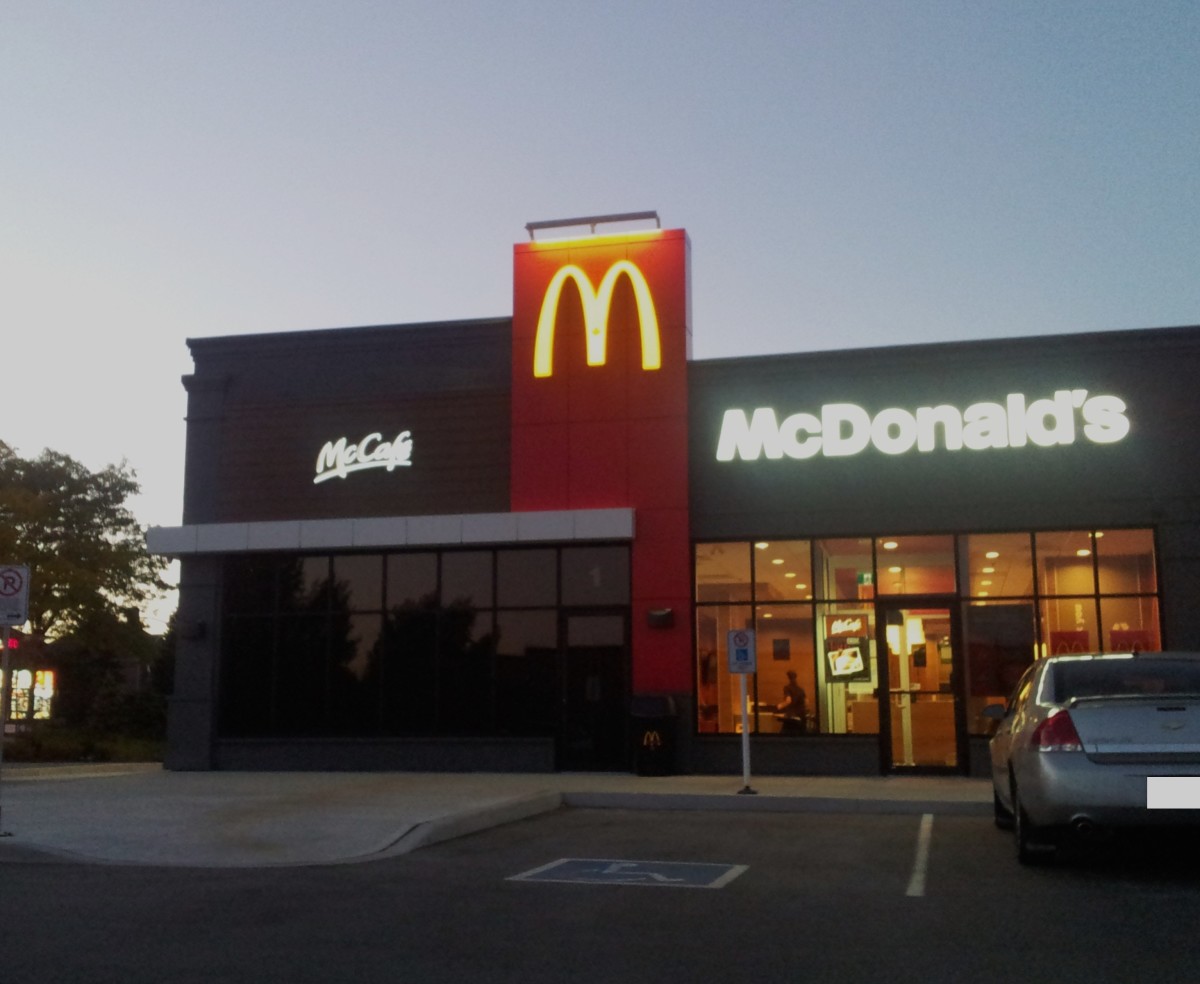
[1057, 734]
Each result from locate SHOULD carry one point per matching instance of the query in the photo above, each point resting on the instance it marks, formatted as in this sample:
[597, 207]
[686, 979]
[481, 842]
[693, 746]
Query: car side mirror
[997, 712]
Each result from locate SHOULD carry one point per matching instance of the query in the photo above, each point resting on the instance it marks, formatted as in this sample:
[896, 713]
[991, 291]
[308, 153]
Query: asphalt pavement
[140, 814]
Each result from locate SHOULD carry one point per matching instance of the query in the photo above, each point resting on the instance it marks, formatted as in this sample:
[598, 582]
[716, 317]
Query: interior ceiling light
[789, 574]
[890, 545]
[992, 554]
[761, 546]
[986, 583]
[777, 560]
[1083, 553]
[1098, 534]
[801, 587]
[895, 570]
[989, 570]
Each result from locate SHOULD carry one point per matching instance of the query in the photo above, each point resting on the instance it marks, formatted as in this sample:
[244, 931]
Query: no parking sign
[742, 651]
[14, 595]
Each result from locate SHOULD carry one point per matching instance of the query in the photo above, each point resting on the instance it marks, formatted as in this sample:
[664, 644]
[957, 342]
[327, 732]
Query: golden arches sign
[596, 304]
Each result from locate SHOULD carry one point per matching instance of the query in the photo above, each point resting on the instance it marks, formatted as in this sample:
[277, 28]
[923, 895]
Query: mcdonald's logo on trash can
[651, 739]
[597, 303]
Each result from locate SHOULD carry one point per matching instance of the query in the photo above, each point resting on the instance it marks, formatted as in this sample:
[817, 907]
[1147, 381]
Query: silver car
[1080, 737]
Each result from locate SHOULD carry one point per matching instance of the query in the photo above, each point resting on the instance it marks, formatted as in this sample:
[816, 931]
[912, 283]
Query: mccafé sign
[339, 458]
[844, 429]
[596, 306]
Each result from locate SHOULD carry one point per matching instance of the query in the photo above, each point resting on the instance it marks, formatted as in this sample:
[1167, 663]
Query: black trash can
[654, 723]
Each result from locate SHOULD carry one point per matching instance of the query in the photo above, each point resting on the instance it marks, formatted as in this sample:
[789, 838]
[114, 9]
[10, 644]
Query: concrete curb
[472, 821]
[769, 804]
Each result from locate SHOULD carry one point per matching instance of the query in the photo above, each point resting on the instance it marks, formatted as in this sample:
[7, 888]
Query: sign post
[743, 661]
[14, 610]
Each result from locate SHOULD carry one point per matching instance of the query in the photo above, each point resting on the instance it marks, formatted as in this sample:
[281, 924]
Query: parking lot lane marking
[916, 884]
[596, 871]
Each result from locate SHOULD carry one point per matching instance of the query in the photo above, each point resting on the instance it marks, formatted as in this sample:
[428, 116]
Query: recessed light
[801, 587]
[1083, 553]
[895, 570]
[789, 573]
[986, 584]
[890, 545]
[777, 560]
[992, 554]
[761, 546]
[989, 570]
[983, 594]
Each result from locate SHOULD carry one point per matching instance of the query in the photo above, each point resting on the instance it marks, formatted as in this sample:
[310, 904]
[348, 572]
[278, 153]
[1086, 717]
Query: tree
[85, 550]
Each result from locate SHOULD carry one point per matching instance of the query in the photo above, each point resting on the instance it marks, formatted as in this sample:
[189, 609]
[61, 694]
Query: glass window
[354, 679]
[915, 565]
[467, 578]
[301, 669]
[1069, 625]
[782, 570]
[998, 565]
[1001, 642]
[1125, 561]
[528, 690]
[361, 578]
[408, 659]
[527, 578]
[847, 674]
[247, 654]
[719, 691]
[595, 576]
[411, 578]
[786, 683]
[250, 585]
[1130, 624]
[467, 646]
[843, 569]
[305, 585]
[1064, 562]
[723, 571]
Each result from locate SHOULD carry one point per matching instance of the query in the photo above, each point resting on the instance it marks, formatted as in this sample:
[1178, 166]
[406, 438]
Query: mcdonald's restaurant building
[552, 540]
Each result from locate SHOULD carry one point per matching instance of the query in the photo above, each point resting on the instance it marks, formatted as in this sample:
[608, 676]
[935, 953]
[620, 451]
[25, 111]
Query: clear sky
[851, 173]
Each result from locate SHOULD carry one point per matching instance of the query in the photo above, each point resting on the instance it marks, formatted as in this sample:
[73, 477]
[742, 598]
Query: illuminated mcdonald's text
[844, 429]
[596, 305]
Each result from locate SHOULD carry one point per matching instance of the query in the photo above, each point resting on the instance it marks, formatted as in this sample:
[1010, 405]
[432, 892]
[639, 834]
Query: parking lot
[830, 897]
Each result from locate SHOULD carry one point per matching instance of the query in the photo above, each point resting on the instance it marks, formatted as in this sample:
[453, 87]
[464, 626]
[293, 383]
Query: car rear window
[1098, 678]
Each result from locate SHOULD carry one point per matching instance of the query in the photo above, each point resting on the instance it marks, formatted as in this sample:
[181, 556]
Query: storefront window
[1001, 641]
[1025, 595]
[595, 576]
[412, 578]
[1125, 561]
[528, 577]
[1069, 625]
[1129, 624]
[723, 572]
[467, 578]
[843, 570]
[718, 700]
[915, 565]
[353, 645]
[998, 565]
[1065, 564]
[847, 671]
[785, 685]
[782, 570]
[361, 577]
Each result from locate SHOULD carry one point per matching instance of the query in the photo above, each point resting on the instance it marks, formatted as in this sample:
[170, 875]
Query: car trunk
[1144, 729]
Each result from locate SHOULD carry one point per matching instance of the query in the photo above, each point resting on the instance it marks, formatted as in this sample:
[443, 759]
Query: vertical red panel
[614, 434]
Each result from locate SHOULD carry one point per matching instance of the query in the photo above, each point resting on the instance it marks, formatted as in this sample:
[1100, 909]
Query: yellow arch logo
[596, 304]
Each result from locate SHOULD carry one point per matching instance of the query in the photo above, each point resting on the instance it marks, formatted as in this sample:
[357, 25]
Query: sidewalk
[141, 814]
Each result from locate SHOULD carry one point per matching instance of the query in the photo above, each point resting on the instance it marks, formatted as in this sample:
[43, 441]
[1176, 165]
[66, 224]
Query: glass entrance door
[923, 732]
[595, 692]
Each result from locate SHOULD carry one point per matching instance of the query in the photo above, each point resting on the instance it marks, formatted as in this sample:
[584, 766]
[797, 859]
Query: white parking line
[916, 884]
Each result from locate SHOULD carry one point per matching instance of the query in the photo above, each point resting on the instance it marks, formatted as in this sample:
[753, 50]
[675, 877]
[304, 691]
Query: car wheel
[1001, 814]
[1032, 847]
